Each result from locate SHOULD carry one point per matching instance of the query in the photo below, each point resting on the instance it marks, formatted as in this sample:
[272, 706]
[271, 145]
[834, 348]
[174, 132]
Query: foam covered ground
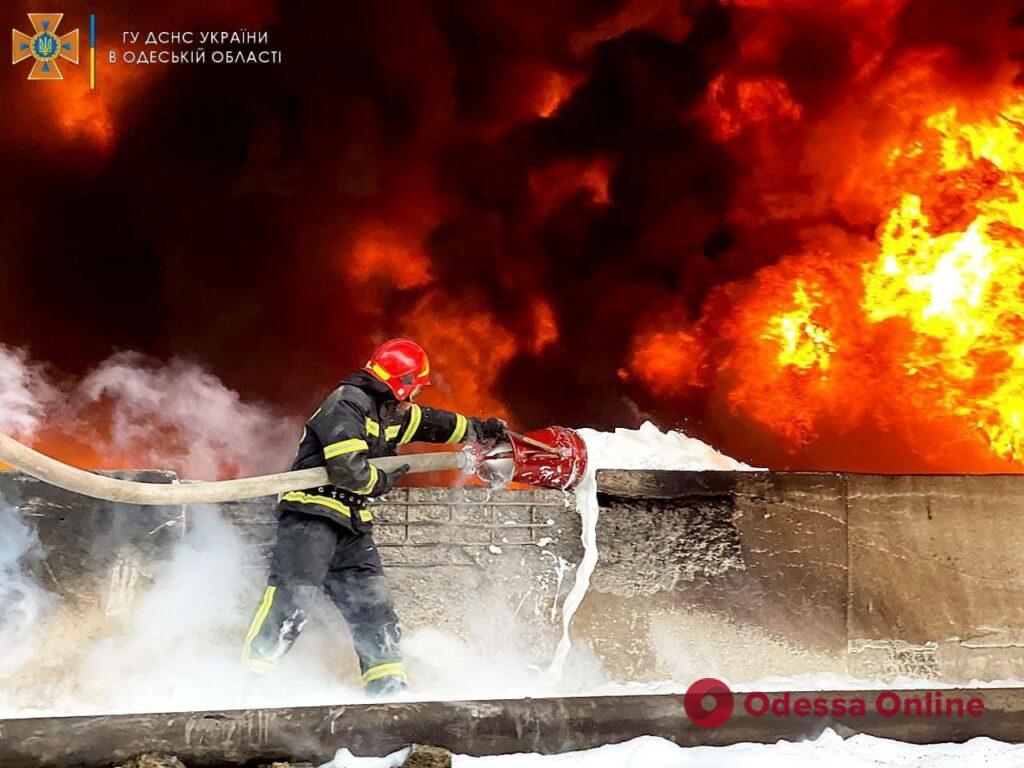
[829, 750]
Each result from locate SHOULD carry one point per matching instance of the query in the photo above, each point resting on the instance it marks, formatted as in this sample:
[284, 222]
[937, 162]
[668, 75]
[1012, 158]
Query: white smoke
[179, 637]
[172, 415]
[179, 642]
[26, 393]
[179, 646]
[23, 602]
[204, 429]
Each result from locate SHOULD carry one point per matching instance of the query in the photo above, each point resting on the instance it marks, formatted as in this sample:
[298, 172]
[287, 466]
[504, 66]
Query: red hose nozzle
[553, 457]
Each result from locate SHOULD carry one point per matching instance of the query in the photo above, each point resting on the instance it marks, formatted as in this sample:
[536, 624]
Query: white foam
[345, 759]
[644, 448]
[860, 751]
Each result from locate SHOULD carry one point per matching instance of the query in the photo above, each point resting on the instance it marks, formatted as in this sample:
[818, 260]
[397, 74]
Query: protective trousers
[314, 553]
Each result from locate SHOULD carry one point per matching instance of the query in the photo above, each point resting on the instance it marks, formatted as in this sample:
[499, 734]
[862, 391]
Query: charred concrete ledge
[550, 725]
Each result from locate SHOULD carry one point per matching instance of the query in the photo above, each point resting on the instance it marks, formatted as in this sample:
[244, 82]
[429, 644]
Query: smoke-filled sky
[589, 213]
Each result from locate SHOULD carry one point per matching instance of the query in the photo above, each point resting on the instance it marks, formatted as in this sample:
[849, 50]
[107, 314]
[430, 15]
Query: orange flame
[545, 328]
[668, 361]
[803, 343]
[467, 348]
[921, 331]
[382, 254]
[557, 88]
[735, 104]
[957, 277]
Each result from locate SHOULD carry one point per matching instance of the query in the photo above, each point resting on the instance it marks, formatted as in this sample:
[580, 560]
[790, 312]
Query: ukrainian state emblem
[45, 46]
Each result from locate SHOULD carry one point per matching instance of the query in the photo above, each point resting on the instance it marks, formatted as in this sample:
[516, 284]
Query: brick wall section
[439, 527]
[454, 553]
[436, 527]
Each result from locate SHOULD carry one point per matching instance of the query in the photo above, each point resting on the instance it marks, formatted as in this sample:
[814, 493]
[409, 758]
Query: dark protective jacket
[360, 420]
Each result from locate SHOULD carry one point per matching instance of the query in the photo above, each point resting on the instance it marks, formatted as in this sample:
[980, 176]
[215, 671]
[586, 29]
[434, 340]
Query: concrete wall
[736, 574]
[873, 574]
[936, 574]
[94, 553]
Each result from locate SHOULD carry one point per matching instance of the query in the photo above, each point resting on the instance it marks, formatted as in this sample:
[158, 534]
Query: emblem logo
[45, 46]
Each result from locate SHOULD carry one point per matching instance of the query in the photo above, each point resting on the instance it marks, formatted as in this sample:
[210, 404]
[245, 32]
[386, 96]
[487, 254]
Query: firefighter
[324, 538]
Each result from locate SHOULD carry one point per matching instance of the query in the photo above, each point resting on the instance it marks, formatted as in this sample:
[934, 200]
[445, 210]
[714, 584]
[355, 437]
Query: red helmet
[402, 364]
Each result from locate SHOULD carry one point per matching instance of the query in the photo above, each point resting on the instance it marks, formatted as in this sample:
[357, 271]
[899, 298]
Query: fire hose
[54, 472]
[560, 467]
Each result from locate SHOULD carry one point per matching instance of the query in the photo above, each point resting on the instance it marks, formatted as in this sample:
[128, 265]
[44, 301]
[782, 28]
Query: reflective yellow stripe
[324, 501]
[415, 414]
[257, 622]
[460, 429]
[260, 667]
[392, 668]
[392, 432]
[372, 427]
[373, 481]
[384, 375]
[345, 446]
[365, 516]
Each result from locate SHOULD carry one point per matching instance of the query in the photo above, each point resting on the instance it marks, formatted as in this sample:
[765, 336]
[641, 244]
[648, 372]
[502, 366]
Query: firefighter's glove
[388, 479]
[490, 429]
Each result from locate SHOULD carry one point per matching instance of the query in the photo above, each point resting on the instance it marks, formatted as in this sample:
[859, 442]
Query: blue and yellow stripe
[92, 51]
